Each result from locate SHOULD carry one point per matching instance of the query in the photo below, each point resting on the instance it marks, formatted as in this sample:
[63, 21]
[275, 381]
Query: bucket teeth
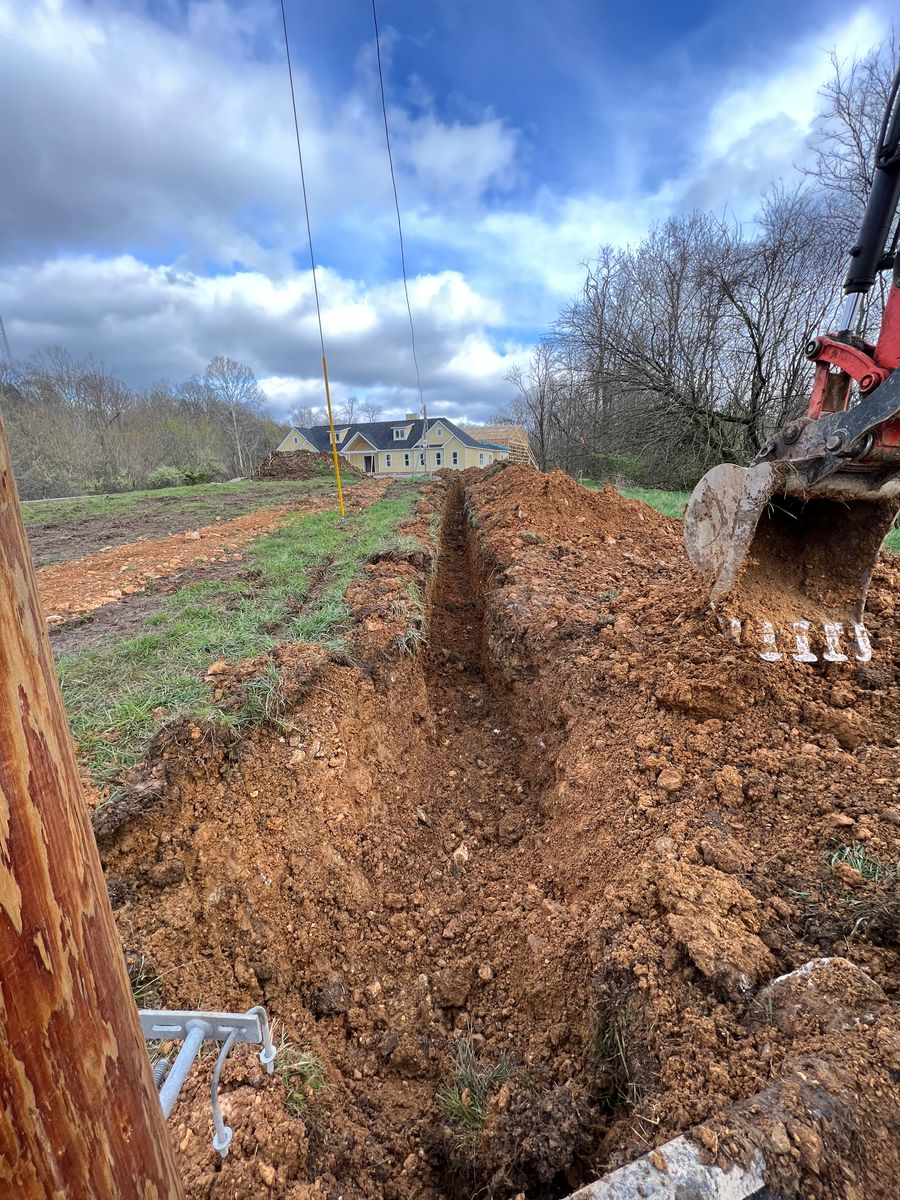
[863, 645]
[801, 635]
[771, 653]
[801, 642]
[833, 631]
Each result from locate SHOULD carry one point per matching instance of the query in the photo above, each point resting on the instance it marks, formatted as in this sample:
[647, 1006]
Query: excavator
[787, 545]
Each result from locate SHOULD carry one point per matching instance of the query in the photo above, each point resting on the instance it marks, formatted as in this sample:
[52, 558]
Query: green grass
[198, 498]
[870, 868]
[302, 1075]
[672, 504]
[111, 692]
[471, 1082]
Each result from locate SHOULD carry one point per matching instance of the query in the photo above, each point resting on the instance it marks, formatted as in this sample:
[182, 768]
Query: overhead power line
[312, 263]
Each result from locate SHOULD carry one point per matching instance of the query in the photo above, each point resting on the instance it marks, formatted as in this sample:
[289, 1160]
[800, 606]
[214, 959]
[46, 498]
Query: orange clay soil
[84, 584]
[579, 835]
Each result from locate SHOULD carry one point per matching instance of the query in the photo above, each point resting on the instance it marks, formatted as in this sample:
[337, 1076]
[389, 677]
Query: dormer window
[399, 433]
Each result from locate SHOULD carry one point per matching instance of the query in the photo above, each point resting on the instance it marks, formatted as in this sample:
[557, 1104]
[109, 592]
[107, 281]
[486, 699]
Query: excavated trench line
[389, 880]
[368, 879]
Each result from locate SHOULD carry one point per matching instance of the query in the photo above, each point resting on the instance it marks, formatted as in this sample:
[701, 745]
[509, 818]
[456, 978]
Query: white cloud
[135, 317]
[129, 138]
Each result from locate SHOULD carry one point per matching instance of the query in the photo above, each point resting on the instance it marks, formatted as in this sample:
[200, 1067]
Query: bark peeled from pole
[79, 1115]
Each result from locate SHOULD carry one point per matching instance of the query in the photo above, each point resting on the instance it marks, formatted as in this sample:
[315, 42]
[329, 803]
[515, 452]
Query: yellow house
[399, 447]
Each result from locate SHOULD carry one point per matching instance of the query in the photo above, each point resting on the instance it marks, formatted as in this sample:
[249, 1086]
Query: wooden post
[79, 1115]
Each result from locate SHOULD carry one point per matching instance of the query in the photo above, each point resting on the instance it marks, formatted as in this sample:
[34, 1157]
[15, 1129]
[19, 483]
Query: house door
[369, 464]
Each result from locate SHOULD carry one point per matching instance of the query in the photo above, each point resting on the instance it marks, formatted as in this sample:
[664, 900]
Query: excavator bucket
[787, 567]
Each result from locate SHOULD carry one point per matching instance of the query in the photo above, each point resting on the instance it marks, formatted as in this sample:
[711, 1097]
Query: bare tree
[371, 410]
[348, 412]
[303, 416]
[847, 129]
[234, 399]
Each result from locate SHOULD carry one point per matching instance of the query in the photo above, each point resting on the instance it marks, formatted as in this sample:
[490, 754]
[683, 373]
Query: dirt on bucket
[515, 898]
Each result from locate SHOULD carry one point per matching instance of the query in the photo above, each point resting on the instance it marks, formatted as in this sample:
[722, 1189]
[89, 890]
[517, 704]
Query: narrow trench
[479, 787]
[431, 919]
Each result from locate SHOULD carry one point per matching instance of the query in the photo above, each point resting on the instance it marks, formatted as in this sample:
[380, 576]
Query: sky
[150, 207]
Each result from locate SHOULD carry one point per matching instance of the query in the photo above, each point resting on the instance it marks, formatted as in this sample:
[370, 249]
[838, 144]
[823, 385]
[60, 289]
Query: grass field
[194, 500]
[111, 693]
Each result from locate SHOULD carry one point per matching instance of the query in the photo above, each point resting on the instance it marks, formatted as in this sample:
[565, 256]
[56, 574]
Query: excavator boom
[787, 545]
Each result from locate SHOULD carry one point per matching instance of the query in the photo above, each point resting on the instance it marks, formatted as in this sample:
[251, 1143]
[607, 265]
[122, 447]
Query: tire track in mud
[90, 583]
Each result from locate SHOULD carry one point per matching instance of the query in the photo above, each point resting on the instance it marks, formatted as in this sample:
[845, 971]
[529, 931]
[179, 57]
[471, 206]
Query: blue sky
[151, 209]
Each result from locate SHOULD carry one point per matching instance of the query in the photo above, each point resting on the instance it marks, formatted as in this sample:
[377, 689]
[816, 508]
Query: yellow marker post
[337, 469]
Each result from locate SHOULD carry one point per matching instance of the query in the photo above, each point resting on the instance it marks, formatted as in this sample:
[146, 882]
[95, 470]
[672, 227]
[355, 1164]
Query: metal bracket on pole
[192, 1029]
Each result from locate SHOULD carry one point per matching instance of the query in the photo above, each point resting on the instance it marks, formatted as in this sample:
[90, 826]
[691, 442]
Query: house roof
[380, 434]
[504, 435]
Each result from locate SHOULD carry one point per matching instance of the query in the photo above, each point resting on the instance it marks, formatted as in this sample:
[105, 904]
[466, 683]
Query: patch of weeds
[302, 1076]
[409, 641]
[144, 979]
[412, 610]
[115, 695]
[470, 1084]
[608, 1051]
[859, 859]
[263, 700]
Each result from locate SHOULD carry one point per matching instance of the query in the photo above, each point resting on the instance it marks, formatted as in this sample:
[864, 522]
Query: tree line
[74, 428]
[687, 349]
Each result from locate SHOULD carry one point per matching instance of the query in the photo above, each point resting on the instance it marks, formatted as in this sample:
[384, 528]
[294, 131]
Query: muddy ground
[567, 846]
[60, 539]
[96, 582]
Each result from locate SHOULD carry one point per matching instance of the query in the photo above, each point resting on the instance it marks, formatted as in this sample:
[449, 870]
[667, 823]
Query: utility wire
[312, 264]
[387, 139]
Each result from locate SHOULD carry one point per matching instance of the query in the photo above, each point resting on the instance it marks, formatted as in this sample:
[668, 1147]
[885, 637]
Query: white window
[454, 457]
[481, 460]
[295, 441]
[387, 460]
[421, 458]
[438, 458]
[406, 460]
[398, 434]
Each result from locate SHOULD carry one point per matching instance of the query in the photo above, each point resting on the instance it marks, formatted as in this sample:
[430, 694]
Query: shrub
[103, 485]
[164, 477]
[621, 467]
[207, 470]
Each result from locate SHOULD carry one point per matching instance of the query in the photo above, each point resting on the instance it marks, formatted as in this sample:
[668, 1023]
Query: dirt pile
[303, 464]
[522, 892]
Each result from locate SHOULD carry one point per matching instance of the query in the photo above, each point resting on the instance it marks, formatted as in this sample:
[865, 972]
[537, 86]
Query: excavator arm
[788, 545]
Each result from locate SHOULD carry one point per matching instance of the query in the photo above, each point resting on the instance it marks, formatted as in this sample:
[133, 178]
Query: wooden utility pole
[79, 1115]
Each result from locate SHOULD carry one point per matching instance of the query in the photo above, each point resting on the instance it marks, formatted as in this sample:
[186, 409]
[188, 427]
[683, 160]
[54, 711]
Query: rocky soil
[527, 892]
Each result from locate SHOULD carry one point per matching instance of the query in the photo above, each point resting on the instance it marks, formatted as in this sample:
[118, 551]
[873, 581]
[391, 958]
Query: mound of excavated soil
[571, 844]
[302, 464]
